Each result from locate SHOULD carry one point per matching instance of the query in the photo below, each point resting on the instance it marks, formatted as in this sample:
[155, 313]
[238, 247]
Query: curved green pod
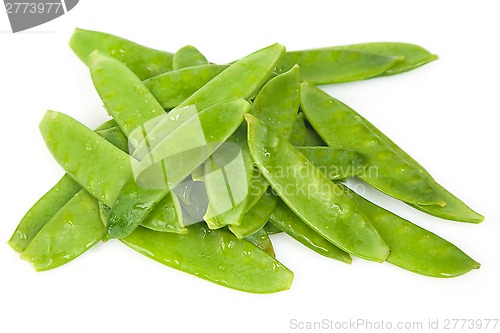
[171, 161]
[332, 65]
[388, 170]
[172, 88]
[74, 229]
[313, 197]
[93, 162]
[42, 211]
[455, 209]
[413, 56]
[214, 255]
[287, 221]
[126, 98]
[412, 247]
[335, 163]
[143, 61]
[188, 56]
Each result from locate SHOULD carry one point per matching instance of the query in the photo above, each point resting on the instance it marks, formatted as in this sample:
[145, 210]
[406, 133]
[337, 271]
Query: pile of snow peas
[201, 162]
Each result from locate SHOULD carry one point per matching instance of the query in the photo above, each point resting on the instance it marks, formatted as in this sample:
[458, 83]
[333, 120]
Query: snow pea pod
[74, 229]
[188, 56]
[335, 163]
[276, 104]
[299, 131]
[271, 229]
[240, 80]
[455, 209]
[286, 220]
[388, 170]
[143, 61]
[167, 215]
[313, 138]
[412, 247]
[331, 65]
[171, 161]
[42, 211]
[313, 197]
[214, 255]
[261, 239]
[413, 55]
[126, 98]
[256, 217]
[227, 174]
[172, 88]
[94, 163]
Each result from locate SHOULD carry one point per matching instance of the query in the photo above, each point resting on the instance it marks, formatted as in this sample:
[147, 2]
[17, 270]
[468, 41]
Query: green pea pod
[172, 88]
[214, 255]
[106, 125]
[240, 80]
[313, 197]
[171, 161]
[332, 65]
[126, 98]
[261, 239]
[413, 55]
[188, 56]
[276, 104]
[255, 218]
[388, 170]
[412, 247]
[82, 153]
[227, 175]
[335, 163]
[455, 209]
[42, 211]
[143, 61]
[286, 220]
[74, 229]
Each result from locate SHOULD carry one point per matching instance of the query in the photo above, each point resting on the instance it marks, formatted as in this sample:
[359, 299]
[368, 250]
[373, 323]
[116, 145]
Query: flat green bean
[313, 197]
[412, 247]
[388, 170]
[262, 241]
[214, 255]
[143, 61]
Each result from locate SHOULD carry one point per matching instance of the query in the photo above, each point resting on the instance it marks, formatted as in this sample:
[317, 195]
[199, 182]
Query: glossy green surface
[188, 56]
[74, 229]
[388, 170]
[241, 79]
[215, 255]
[286, 220]
[172, 88]
[313, 138]
[331, 65]
[455, 209]
[256, 217]
[42, 211]
[313, 197]
[413, 55]
[412, 247]
[335, 163]
[143, 61]
[171, 161]
[276, 104]
[126, 98]
[227, 175]
[299, 131]
[262, 241]
[94, 163]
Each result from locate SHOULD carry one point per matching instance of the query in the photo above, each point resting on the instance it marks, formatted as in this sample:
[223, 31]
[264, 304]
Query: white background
[445, 114]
